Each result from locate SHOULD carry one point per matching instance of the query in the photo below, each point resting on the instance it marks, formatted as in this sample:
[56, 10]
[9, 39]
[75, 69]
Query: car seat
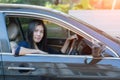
[13, 31]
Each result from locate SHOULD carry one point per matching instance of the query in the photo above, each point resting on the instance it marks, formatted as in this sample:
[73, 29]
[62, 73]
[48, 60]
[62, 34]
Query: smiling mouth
[38, 38]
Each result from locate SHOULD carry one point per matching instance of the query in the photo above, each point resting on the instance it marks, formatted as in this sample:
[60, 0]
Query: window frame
[57, 21]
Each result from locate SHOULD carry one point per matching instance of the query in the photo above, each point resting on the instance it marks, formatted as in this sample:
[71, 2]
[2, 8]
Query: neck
[35, 45]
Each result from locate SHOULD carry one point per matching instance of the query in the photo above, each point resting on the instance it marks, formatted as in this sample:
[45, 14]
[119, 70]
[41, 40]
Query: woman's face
[38, 33]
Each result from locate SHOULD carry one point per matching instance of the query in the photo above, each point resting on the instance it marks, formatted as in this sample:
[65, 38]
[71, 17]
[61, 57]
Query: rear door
[1, 70]
[3, 44]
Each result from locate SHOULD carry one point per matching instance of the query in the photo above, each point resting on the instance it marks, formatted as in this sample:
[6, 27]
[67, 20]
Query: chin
[37, 41]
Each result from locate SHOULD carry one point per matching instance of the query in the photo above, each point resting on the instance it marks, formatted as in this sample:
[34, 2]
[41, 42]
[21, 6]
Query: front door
[40, 67]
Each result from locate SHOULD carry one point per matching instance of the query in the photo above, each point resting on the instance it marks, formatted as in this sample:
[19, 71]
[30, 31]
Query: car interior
[79, 46]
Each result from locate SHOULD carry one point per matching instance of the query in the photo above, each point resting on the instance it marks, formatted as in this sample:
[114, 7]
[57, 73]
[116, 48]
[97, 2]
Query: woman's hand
[72, 37]
[67, 42]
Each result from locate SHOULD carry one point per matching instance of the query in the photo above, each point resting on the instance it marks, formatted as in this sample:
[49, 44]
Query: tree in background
[33, 2]
[62, 5]
[82, 4]
[66, 5]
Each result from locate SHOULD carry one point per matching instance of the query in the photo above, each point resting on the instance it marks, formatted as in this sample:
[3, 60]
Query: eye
[35, 30]
[41, 31]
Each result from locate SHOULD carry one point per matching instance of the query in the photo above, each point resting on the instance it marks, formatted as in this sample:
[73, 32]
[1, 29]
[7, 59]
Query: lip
[38, 38]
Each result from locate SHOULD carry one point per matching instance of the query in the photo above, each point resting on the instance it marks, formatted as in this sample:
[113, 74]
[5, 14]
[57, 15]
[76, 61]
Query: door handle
[21, 68]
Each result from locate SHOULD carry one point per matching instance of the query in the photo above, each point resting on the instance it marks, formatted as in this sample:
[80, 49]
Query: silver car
[95, 55]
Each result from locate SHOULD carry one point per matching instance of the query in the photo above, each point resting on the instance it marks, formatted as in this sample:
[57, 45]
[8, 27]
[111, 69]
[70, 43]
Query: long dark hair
[42, 45]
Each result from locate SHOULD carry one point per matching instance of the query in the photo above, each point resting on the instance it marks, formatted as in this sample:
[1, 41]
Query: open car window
[57, 35]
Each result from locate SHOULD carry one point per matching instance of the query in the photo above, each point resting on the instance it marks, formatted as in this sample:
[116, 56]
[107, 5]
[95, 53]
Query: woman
[37, 41]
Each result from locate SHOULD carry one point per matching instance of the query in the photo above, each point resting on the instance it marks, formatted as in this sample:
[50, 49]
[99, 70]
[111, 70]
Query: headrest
[13, 31]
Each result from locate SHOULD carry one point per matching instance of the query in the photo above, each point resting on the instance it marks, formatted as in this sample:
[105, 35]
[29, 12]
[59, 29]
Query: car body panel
[1, 69]
[59, 68]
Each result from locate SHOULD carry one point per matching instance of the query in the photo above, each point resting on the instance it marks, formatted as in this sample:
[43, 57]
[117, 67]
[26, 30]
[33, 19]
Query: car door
[35, 66]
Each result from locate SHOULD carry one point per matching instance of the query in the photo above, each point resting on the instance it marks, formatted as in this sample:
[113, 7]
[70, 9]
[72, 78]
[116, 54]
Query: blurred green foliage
[66, 5]
[61, 7]
[83, 4]
[33, 2]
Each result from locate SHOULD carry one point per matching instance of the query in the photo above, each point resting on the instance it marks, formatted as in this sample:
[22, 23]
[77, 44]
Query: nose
[38, 33]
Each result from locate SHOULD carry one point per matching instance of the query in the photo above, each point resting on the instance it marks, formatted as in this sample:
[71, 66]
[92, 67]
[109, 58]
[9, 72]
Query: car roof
[27, 6]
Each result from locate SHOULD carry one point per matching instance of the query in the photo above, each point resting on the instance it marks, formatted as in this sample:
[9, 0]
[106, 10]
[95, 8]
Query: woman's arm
[67, 42]
[24, 51]
[24, 48]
